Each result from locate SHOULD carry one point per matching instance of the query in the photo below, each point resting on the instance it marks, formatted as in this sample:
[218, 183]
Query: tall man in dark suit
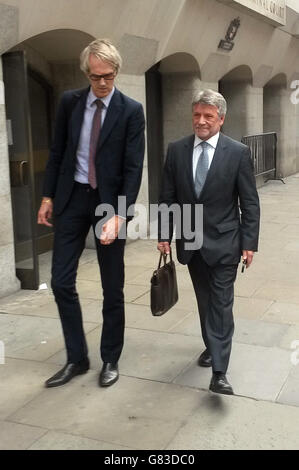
[96, 156]
[211, 169]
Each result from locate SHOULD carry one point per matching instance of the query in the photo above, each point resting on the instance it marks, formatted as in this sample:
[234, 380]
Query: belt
[84, 186]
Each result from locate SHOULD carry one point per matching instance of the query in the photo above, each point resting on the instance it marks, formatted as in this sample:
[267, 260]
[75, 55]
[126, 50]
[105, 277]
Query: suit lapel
[113, 112]
[80, 98]
[189, 154]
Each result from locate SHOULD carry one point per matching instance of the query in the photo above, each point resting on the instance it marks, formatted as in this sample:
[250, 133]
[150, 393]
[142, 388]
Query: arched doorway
[35, 73]
[170, 85]
[236, 87]
[278, 119]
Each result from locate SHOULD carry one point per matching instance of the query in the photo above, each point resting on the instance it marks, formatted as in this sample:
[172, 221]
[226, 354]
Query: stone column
[245, 109]
[209, 85]
[280, 117]
[134, 87]
[297, 136]
[294, 97]
[8, 280]
[287, 146]
[177, 92]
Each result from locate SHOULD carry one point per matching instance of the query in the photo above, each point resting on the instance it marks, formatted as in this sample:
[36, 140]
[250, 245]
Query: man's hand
[45, 212]
[111, 230]
[248, 255]
[164, 248]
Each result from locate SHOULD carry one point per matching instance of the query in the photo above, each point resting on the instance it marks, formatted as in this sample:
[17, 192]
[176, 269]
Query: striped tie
[94, 137]
[202, 168]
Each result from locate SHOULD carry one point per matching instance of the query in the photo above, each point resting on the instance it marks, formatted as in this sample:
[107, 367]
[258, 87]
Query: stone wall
[8, 280]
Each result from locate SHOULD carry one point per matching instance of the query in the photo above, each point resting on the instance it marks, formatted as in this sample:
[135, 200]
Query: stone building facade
[170, 48]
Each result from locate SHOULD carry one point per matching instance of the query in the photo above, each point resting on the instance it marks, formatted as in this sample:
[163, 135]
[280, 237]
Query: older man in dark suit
[96, 156]
[211, 169]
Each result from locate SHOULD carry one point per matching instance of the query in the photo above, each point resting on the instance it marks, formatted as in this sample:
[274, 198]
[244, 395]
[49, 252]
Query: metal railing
[263, 149]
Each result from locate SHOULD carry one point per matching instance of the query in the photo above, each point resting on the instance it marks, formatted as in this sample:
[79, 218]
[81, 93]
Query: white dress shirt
[81, 173]
[197, 150]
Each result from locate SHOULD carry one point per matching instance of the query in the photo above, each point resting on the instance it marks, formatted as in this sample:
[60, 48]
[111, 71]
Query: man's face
[101, 76]
[206, 120]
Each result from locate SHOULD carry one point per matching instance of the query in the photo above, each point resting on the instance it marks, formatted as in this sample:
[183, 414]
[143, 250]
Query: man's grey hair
[211, 97]
[103, 49]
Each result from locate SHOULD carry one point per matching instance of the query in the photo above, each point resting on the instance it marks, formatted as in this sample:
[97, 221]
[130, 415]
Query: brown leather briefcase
[164, 288]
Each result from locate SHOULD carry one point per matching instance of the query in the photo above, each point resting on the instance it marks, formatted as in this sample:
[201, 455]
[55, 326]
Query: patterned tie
[94, 137]
[202, 168]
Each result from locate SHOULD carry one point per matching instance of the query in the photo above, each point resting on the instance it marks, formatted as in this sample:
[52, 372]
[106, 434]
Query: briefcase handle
[164, 256]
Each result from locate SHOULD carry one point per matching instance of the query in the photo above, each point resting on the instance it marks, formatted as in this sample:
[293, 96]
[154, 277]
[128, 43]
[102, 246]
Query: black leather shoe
[109, 374]
[219, 384]
[205, 359]
[69, 371]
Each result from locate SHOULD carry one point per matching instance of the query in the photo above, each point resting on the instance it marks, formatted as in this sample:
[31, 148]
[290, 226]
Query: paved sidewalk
[162, 400]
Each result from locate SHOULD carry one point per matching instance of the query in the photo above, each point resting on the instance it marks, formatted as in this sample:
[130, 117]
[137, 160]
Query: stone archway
[244, 103]
[55, 55]
[170, 85]
[49, 63]
[280, 117]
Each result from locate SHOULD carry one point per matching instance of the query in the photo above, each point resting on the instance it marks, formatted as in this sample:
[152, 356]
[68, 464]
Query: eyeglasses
[106, 77]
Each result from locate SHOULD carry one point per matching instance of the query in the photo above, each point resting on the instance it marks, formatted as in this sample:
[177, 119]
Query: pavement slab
[289, 394]
[254, 371]
[230, 423]
[61, 441]
[161, 400]
[21, 381]
[147, 354]
[33, 337]
[15, 436]
[140, 317]
[259, 333]
[282, 312]
[136, 413]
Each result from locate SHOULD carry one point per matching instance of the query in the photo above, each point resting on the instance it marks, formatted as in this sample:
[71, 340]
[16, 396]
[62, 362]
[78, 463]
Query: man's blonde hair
[103, 49]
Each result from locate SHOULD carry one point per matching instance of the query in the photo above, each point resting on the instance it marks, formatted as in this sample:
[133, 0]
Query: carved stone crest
[227, 43]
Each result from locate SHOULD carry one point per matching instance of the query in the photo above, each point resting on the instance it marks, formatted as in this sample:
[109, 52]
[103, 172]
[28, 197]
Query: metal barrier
[263, 149]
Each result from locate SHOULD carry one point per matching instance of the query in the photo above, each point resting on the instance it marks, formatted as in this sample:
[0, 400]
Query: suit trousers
[214, 289]
[70, 230]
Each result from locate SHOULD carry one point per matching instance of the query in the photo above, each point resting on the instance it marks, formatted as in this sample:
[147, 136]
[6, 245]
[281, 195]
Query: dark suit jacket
[230, 180]
[120, 150]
